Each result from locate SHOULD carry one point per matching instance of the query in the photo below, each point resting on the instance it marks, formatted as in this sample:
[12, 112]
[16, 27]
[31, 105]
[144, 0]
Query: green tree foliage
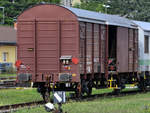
[91, 5]
[133, 9]
[1, 16]
[14, 7]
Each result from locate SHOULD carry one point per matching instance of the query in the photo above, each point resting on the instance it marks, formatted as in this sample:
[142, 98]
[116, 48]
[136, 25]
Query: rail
[14, 107]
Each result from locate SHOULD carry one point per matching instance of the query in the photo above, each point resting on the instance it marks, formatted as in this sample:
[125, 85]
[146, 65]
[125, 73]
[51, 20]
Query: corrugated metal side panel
[89, 48]
[131, 47]
[96, 48]
[47, 35]
[56, 39]
[136, 51]
[103, 35]
[54, 34]
[86, 50]
[70, 45]
[25, 40]
[122, 49]
[133, 50]
[82, 47]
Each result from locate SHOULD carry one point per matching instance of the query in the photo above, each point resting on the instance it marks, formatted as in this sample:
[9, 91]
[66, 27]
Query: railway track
[14, 107]
[10, 83]
[10, 77]
[108, 95]
[7, 82]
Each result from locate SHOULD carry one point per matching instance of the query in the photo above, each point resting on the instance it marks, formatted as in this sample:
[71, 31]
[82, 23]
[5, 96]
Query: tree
[91, 5]
[133, 9]
[14, 7]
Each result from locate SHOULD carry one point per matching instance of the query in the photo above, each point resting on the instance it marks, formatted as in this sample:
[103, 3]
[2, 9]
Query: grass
[13, 96]
[101, 91]
[139, 103]
[7, 75]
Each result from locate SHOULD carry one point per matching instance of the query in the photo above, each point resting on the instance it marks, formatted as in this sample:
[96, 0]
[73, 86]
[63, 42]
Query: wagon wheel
[46, 96]
[78, 92]
[117, 91]
[86, 87]
[90, 91]
[142, 84]
[89, 86]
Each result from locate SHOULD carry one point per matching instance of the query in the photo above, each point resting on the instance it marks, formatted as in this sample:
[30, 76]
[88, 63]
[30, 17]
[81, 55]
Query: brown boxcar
[65, 48]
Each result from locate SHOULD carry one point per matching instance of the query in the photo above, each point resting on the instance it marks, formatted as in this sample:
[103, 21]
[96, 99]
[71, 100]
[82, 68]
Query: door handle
[30, 49]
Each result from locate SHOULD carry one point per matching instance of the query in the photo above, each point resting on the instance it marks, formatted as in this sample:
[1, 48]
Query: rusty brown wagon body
[68, 46]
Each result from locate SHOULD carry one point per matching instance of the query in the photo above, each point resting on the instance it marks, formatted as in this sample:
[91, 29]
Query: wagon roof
[96, 17]
[91, 16]
[144, 25]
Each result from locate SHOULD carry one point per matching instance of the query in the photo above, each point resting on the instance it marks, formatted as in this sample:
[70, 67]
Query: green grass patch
[139, 103]
[7, 75]
[130, 89]
[101, 91]
[13, 96]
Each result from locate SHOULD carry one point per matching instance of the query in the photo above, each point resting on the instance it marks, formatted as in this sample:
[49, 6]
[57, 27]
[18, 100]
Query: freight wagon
[69, 49]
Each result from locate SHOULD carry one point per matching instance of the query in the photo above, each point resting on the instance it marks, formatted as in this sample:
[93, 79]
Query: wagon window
[4, 56]
[146, 44]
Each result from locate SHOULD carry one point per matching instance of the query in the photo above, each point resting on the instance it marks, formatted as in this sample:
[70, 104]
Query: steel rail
[6, 78]
[14, 107]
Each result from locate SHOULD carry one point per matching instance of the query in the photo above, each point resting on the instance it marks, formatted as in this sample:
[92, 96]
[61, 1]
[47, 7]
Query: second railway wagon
[69, 49]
